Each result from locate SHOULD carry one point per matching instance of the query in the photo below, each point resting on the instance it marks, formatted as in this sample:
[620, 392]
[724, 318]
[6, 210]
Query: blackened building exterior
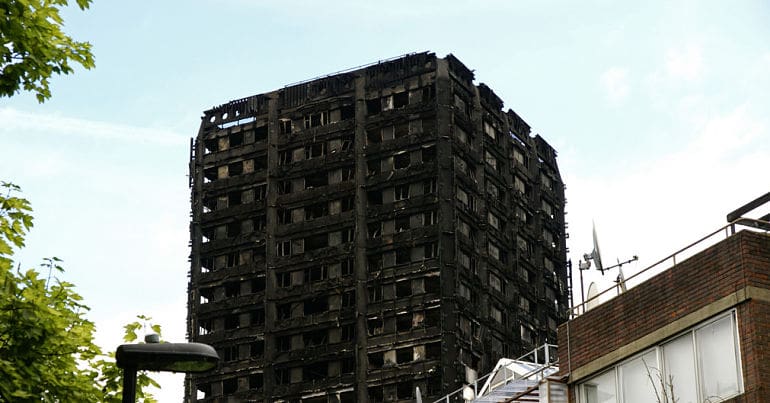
[363, 234]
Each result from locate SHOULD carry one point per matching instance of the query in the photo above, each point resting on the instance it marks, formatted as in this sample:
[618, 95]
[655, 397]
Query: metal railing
[687, 251]
[479, 386]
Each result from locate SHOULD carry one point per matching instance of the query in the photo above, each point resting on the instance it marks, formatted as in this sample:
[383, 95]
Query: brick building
[362, 234]
[699, 329]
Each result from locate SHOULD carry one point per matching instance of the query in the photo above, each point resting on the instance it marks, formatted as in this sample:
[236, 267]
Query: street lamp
[174, 357]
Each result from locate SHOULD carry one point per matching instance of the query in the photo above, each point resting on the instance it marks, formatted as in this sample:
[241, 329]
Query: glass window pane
[717, 360]
[600, 389]
[635, 379]
[679, 361]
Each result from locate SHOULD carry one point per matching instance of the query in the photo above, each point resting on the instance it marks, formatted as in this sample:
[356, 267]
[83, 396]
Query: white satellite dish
[596, 256]
[591, 299]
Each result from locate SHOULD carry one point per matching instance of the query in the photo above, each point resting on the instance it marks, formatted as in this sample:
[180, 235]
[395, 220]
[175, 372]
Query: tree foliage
[44, 334]
[33, 46]
[111, 377]
[47, 351]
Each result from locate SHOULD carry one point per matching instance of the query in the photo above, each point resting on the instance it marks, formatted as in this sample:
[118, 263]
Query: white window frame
[658, 350]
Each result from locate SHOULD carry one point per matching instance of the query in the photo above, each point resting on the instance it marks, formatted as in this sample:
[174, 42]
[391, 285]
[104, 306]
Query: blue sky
[658, 111]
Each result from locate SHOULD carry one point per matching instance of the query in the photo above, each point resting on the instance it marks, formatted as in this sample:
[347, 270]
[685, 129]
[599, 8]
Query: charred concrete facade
[359, 235]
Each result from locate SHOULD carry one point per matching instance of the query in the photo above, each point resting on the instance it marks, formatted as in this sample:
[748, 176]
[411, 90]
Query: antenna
[596, 256]
[621, 280]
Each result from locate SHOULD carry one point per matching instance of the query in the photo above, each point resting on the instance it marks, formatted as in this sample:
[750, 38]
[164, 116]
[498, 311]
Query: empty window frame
[283, 248]
[403, 288]
[519, 157]
[315, 150]
[374, 293]
[466, 261]
[315, 305]
[257, 317]
[429, 217]
[257, 349]
[230, 353]
[375, 326]
[546, 208]
[315, 242]
[496, 283]
[232, 321]
[400, 130]
[401, 192]
[461, 135]
[494, 251]
[402, 223]
[316, 180]
[493, 220]
[229, 386]
[373, 106]
[256, 381]
[374, 230]
[348, 299]
[403, 255]
[429, 186]
[400, 99]
[346, 267]
[430, 250]
[404, 322]
[461, 106]
[490, 130]
[493, 191]
[317, 210]
[428, 153]
[260, 133]
[285, 125]
[232, 289]
[285, 157]
[465, 229]
[315, 371]
[490, 160]
[285, 187]
[316, 119]
[519, 185]
[401, 160]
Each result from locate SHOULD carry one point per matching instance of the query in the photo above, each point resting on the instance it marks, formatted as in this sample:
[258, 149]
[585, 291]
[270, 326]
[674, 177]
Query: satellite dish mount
[596, 257]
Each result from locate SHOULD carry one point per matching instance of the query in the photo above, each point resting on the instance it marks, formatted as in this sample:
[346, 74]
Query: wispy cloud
[685, 63]
[658, 206]
[614, 82]
[14, 122]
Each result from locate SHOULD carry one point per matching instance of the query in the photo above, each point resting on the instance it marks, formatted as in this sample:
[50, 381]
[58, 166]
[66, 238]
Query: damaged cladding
[363, 234]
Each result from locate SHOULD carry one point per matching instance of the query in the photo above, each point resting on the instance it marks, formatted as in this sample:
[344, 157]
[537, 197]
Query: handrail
[729, 230]
[549, 362]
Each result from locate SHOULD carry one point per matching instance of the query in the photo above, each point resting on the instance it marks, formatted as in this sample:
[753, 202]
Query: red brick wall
[739, 261]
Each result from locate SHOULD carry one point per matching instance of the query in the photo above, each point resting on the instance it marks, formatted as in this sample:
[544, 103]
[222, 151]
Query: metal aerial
[596, 257]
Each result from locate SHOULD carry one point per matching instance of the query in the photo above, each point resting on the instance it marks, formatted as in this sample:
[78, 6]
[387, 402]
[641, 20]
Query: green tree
[44, 334]
[111, 377]
[33, 46]
[47, 351]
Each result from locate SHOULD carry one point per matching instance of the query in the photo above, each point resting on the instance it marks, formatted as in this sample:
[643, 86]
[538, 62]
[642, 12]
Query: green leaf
[34, 47]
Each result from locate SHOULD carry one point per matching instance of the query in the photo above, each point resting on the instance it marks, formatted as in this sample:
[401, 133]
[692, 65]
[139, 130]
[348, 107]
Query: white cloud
[614, 82]
[670, 200]
[18, 123]
[685, 63]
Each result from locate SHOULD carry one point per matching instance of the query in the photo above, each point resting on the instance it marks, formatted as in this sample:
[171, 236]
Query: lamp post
[174, 357]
